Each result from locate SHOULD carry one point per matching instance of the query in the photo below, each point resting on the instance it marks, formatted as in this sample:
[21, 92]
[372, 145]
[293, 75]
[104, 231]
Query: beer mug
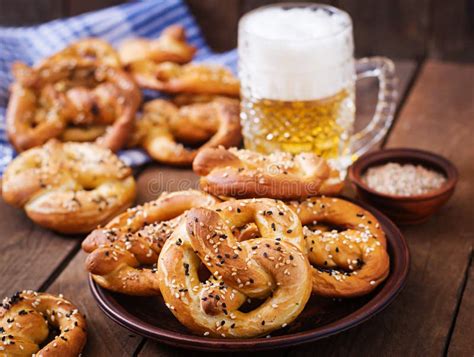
[298, 75]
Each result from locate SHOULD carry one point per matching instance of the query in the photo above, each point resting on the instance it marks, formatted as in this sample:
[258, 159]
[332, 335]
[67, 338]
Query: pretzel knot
[246, 174]
[271, 267]
[72, 99]
[28, 319]
[188, 78]
[348, 261]
[123, 254]
[170, 46]
[165, 128]
[69, 187]
[91, 49]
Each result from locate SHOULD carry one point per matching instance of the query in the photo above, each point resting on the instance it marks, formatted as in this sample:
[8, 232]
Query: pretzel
[27, 320]
[91, 49]
[164, 128]
[72, 99]
[350, 261]
[246, 174]
[122, 251]
[271, 268]
[170, 46]
[69, 187]
[193, 78]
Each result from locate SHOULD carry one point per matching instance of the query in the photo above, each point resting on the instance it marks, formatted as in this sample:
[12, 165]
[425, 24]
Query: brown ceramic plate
[149, 317]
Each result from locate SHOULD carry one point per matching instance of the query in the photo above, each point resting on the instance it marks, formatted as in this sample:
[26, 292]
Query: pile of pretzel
[90, 92]
[261, 229]
[265, 228]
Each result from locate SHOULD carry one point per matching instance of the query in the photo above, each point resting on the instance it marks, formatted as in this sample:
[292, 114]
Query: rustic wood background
[415, 29]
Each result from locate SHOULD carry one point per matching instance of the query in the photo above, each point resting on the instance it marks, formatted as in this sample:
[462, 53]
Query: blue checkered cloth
[135, 19]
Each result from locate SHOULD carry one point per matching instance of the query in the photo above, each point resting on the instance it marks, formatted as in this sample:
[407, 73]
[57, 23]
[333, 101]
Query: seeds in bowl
[403, 180]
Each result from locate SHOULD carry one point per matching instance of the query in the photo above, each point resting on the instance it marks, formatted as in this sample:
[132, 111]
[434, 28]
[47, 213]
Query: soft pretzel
[246, 174]
[122, 251]
[28, 319]
[270, 267]
[88, 49]
[170, 46]
[73, 99]
[69, 187]
[349, 255]
[164, 128]
[189, 78]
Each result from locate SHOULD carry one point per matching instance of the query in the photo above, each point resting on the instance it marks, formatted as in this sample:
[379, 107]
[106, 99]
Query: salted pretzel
[69, 187]
[345, 244]
[124, 253]
[72, 99]
[40, 324]
[246, 174]
[170, 46]
[91, 49]
[164, 128]
[271, 267]
[193, 78]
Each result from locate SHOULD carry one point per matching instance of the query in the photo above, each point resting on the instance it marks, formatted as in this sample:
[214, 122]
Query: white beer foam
[295, 54]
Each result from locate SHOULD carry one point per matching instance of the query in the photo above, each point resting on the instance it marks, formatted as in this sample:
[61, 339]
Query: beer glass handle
[383, 69]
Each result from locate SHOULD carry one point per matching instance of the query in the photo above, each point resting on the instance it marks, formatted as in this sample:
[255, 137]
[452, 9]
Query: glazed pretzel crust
[25, 321]
[69, 187]
[164, 127]
[351, 261]
[170, 46]
[122, 254]
[76, 99]
[92, 49]
[271, 267]
[246, 174]
[193, 78]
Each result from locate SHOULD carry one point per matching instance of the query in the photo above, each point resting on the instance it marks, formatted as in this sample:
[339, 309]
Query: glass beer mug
[298, 75]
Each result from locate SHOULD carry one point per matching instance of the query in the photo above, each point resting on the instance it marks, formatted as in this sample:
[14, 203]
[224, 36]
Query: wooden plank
[452, 35]
[153, 349]
[461, 344]
[104, 338]
[155, 179]
[437, 117]
[30, 254]
[218, 21]
[27, 12]
[248, 5]
[389, 28]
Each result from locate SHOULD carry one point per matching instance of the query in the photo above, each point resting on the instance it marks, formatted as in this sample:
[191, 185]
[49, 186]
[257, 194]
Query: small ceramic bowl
[405, 209]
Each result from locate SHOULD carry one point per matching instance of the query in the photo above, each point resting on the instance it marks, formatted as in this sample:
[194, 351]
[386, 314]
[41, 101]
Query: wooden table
[432, 316]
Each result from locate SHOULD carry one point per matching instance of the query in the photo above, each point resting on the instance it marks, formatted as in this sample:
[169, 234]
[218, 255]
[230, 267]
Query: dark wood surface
[399, 28]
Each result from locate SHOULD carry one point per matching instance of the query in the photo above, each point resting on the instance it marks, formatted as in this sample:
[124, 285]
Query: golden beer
[322, 126]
